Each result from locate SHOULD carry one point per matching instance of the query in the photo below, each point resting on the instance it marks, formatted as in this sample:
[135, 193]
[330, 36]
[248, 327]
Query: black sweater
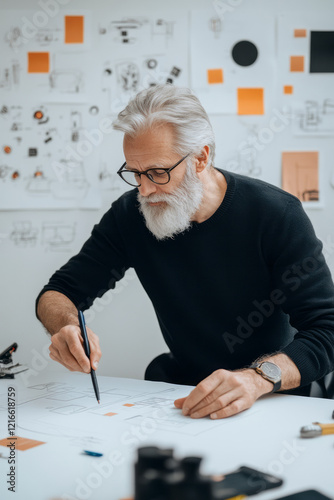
[251, 280]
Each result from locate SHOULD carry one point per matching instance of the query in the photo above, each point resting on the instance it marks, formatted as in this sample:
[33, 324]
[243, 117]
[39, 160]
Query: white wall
[124, 319]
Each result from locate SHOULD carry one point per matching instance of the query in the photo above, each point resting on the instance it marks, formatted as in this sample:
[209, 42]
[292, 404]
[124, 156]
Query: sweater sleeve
[101, 262]
[302, 275]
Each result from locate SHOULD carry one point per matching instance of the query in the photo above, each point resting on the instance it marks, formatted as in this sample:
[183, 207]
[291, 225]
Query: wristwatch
[270, 372]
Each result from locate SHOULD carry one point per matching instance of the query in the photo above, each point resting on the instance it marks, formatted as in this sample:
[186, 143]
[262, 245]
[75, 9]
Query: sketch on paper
[58, 237]
[10, 76]
[24, 234]
[67, 81]
[315, 118]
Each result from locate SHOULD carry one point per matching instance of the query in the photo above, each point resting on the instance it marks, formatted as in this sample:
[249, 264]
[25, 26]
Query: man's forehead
[151, 147]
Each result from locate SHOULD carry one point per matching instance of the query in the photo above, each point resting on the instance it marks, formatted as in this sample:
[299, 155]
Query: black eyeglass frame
[146, 172]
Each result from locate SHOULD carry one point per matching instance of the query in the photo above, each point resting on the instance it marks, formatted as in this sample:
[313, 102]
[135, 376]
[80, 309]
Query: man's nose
[147, 187]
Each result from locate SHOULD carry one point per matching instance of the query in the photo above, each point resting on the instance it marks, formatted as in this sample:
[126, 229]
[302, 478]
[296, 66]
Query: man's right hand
[67, 348]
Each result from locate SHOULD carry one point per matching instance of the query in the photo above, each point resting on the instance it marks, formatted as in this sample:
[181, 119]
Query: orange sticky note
[38, 62]
[128, 404]
[215, 76]
[21, 443]
[288, 89]
[250, 101]
[110, 414]
[74, 29]
[297, 63]
[299, 33]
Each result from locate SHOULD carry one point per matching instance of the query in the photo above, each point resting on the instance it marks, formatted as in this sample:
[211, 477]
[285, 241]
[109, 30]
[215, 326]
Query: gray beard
[174, 217]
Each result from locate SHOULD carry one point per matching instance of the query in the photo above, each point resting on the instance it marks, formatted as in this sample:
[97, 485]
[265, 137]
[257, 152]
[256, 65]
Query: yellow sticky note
[215, 76]
[297, 63]
[38, 62]
[250, 101]
[74, 29]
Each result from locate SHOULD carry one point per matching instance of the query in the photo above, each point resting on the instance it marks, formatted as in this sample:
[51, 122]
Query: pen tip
[98, 401]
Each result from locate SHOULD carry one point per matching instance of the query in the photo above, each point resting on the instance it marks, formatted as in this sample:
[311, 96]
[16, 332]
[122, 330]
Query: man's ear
[201, 161]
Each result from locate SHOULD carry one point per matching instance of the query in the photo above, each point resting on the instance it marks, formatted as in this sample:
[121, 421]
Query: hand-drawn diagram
[315, 118]
[58, 237]
[24, 234]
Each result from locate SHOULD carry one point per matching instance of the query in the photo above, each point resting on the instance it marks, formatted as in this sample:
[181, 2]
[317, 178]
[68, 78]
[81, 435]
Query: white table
[60, 410]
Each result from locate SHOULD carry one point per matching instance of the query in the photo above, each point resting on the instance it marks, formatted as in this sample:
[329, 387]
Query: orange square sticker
[299, 33]
[297, 63]
[128, 404]
[215, 76]
[288, 89]
[250, 101]
[38, 62]
[21, 443]
[110, 414]
[74, 29]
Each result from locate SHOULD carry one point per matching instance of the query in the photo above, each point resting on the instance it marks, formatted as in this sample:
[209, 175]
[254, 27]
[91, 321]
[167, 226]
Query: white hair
[177, 106]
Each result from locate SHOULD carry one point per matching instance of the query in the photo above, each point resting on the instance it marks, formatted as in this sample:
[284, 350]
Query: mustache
[154, 198]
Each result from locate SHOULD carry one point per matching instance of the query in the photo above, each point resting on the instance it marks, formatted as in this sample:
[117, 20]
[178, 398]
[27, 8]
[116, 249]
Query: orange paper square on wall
[74, 29]
[250, 101]
[110, 414]
[21, 443]
[128, 404]
[288, 89]
[297, 63]
[38, 62]
[299, 33]
[215, 76]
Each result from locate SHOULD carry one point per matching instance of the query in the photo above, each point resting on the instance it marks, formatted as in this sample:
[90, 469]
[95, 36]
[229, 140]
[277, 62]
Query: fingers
[202, 390]
[67, 348]
[95, 351]
[219, 403]
[178, 403]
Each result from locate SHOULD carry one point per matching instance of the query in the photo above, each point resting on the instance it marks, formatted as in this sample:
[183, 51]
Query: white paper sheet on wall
[232, 54]
[51, 159]
[306, 72]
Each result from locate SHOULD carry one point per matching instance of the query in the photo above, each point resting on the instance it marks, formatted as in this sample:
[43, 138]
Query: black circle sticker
[244, 53]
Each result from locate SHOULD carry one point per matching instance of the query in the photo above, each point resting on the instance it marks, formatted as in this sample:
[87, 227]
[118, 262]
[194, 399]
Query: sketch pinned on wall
[216, 26]
[109, 180]
[57, 236]
[56, 139]
[314, 118]
[24, 234]
[221, 62]
[10, 76]
[305, 47]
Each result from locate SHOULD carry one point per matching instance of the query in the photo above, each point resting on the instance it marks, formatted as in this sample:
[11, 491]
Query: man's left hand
[224, 393]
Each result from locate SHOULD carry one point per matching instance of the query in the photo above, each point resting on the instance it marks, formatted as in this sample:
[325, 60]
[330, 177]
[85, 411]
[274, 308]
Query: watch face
[270, 370]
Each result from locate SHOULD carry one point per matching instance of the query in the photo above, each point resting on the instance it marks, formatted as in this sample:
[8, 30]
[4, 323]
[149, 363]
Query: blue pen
[87, 351]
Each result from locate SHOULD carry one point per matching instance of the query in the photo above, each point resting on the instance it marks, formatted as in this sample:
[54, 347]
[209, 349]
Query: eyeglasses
[156, 175]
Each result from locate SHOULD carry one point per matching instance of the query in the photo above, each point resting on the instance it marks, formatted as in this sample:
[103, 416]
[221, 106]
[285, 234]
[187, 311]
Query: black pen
[87, 351]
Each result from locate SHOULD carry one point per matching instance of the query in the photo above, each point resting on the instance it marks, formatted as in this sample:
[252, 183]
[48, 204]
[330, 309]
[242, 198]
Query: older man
[235, 273]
